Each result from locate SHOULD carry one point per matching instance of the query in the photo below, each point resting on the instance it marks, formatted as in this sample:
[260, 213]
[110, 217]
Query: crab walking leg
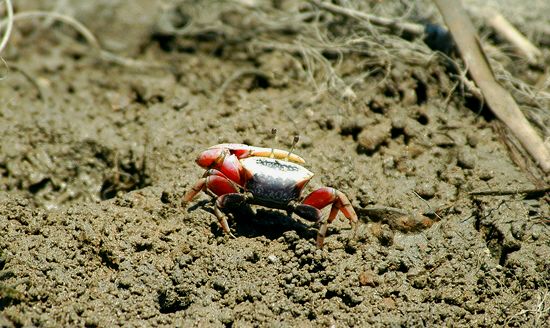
[340, 203]
[223, 221]
[215, 182]
[226, 201]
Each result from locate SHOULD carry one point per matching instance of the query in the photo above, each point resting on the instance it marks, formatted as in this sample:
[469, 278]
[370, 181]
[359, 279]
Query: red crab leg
[216, 183]
[222, 160]
[325, 196]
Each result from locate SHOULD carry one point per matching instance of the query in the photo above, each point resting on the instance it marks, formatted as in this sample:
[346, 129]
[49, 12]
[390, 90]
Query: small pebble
[370, 139]
[272, 258]
[453, 176]
[486, 175]
[472, 139]
[518, 230]
[426, 190]
[389, 303]
[409, 97]
[466, 158]
[399, 122]
[366, 278]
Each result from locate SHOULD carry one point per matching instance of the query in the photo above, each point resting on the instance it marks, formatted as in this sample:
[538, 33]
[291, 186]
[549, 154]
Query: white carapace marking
[276, 168]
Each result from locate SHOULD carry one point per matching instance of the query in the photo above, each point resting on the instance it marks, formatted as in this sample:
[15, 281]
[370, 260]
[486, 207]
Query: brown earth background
[96, 153]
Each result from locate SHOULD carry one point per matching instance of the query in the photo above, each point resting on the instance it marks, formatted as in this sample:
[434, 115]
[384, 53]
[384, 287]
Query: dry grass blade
[84, 31]
[9, 25]
[499, 100]
[414, 29]
[510, 33]
[527, 192]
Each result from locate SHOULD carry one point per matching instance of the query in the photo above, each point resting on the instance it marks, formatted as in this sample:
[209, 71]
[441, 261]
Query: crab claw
[211, 157]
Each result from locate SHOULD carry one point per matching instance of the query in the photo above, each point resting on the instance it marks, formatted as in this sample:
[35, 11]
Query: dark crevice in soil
[395, 133]
[271, 224]
[172, 300]
[34, 188]
[107, 259]
[421, 92]
[479, 108]
[423, 119]
[495, 240]
[126, 177]
[506, 251]
[351, 130]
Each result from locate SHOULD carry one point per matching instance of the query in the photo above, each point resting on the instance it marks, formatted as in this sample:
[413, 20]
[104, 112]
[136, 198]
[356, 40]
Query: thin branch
[504, 28]
[9, 25]
[85, 32]
[499, 99]
[414, 29]
[527, 192]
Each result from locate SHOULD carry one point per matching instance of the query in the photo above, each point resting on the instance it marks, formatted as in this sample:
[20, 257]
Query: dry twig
[85, 32]
[498, 99]
[512, 35]
[9, 25]
[527, 192]
[414, 29]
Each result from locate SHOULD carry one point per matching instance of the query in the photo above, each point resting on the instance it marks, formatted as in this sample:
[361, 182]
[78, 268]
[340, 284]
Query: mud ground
[95, 157]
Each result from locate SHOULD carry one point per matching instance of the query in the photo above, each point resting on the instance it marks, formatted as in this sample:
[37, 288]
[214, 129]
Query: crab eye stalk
[274, 135]
[294, 142]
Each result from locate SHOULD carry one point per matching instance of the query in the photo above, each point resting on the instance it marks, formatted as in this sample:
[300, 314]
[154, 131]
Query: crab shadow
[270, 223]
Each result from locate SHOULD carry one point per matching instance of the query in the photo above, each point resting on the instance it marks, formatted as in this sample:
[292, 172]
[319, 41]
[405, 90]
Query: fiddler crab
[239, 174]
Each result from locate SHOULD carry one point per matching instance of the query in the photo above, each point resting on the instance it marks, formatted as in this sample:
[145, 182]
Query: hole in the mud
[270, 223]
[219, 51]
[422, 119]
[208, 36]
[479, 108]
[331, 54]
[362, 150]
[349, 300]
[260, 81]
[389, 92]
[421, 92]
[107, 259]
[141, 247]
[506, 251]
[125, 178]
[396, 132]
[76, 56]
[165, 197]
[493, 239]
[165, 42]
[174, 299]
[36, 187]
[352, 130]
[9, 296]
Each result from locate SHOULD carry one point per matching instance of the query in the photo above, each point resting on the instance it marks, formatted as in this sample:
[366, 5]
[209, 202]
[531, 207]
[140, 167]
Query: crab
[238, 174]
